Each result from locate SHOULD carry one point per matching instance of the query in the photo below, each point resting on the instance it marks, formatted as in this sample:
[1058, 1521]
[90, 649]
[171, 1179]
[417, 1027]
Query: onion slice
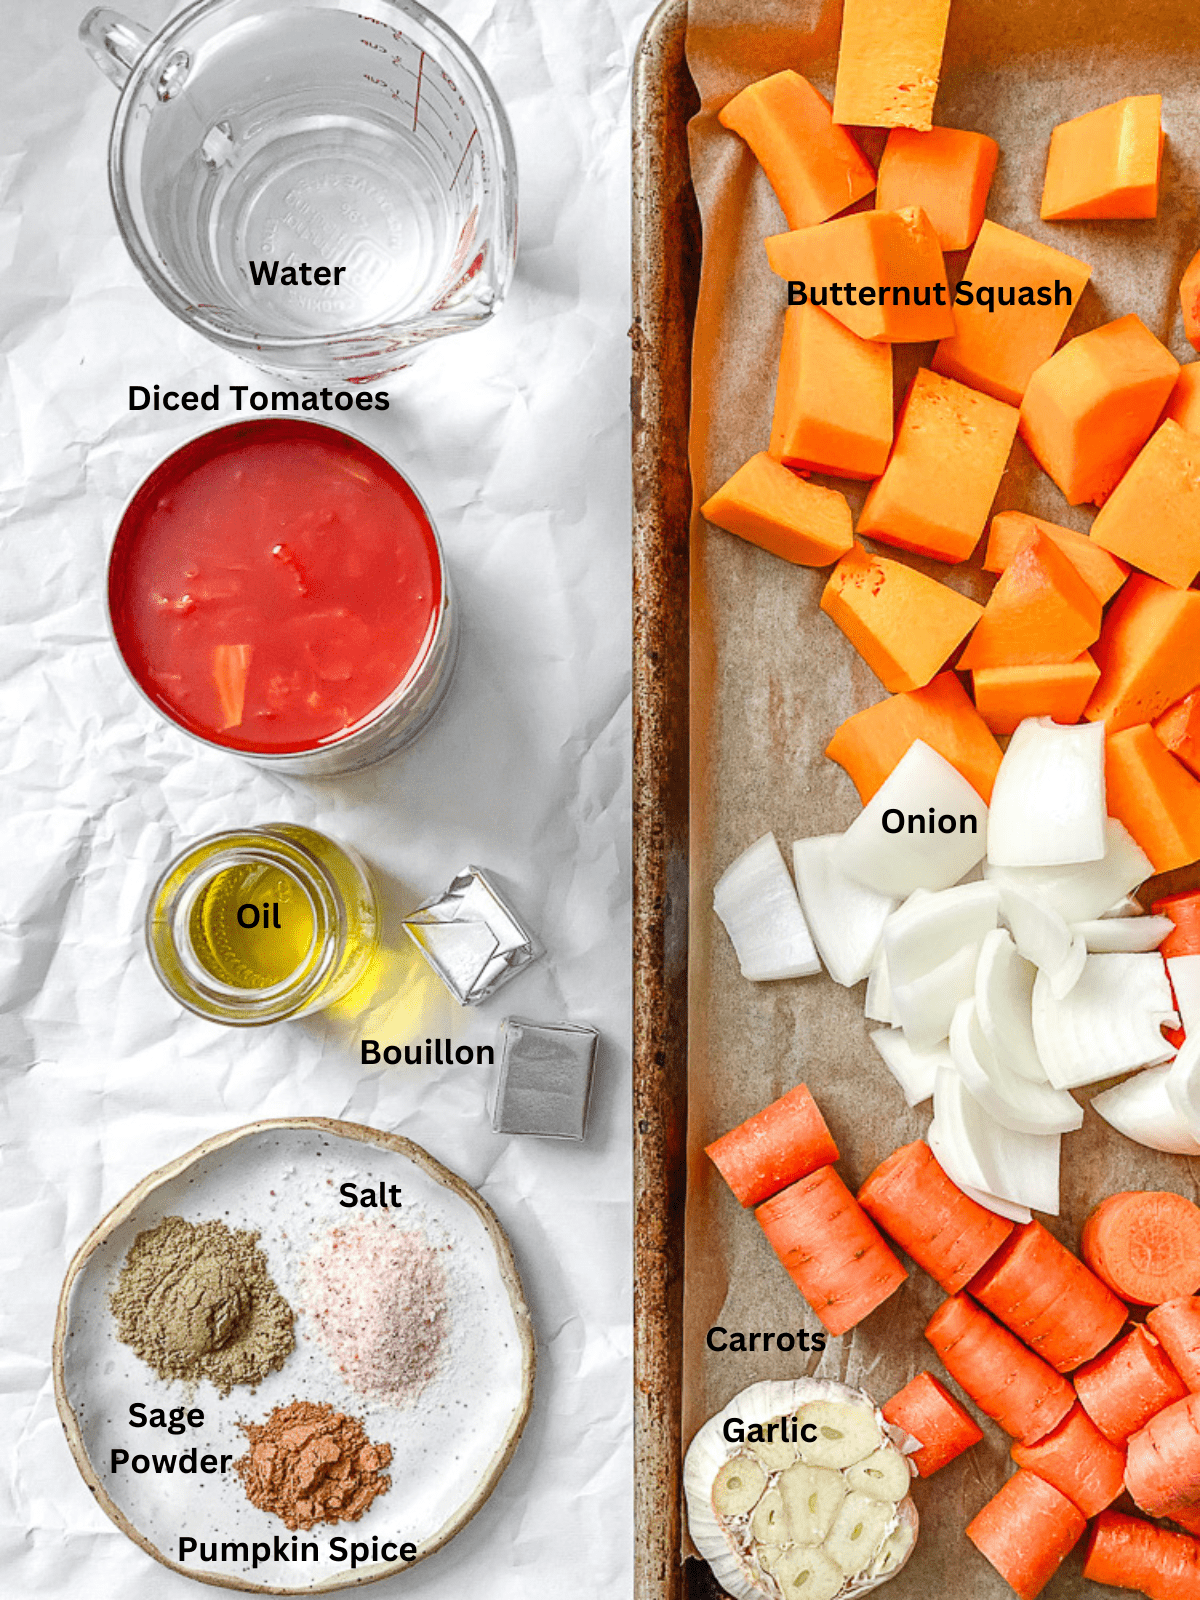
[914, 1070]
[939, 823]
[930, 928]
[1183, 1084]
[1004, 1005]
[924, 1008]
[1079, 893]
[756, 901]
[1015, 1102]
[1141, 1109]
[1043, 937]
[1109, 1023]
[1002, 1208]
[1185, 982]
[878, 1003]
[845, 918]
[1048, 799]
[979, 1151]
[1123, 935]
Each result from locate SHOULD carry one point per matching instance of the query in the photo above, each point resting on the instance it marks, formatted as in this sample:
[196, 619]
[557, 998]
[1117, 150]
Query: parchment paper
[772, 677]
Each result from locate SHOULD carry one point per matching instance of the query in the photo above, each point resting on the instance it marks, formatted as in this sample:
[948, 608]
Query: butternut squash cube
[833, 398]
[870, 743]
[1154, 795]
[889, 62]
[1090, 408]
[946, 464]
[1106, 163]
[1189, 300]
[947, 172]
[1011, 530]
[1148, 652]
[1005, 696]
[903, 624]
[815, 168]
[783, 513]
[998, 348]
[1040, 610]
[1179, 730]
[1152, 517]
[1184, 405]
[879, 272]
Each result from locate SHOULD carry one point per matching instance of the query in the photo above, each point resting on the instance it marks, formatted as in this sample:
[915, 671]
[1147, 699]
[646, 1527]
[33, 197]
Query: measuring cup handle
[114, 42]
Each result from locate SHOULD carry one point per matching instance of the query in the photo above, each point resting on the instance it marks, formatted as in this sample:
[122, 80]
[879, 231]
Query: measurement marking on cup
[417, 101]
[465, 154]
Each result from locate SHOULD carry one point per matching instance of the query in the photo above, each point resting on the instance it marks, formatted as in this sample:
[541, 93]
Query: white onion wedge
[1183, 1084]
[1109, 1023]
[1012, 1100]
[914, 1070]
[845, 918]
[1079, 893]
[1127, 906]
[921, 791]
[930, 928]
[877, 1005]
[1123, 935]
[1004, 1005]
[1048, 800]
[1041, 935]
[925, 1007]
[1019, 1167]
[1141, 1109]
[755, 899]
[1185, 980]
[1002, 1208]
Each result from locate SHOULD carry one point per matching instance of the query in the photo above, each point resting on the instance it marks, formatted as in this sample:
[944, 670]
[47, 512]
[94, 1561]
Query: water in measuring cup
[372, 173]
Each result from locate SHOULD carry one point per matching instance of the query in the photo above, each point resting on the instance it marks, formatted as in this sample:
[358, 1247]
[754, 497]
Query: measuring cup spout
[114, 42]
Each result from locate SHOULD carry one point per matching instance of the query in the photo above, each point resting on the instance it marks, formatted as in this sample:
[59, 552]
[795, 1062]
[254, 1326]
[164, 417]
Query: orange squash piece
[1189, 300]
[870, 743]
[783, 513]
[1152, 517]
[1090, 408]
[1005, 696]
[833, 398]
[996, 347]
[892, 263]
[1148, 652]
[1106, 163]
[889, 62]
[1154, 795]
[951, 448]
[1184, 405]
[947, 172]
[903, 624]
[1011, 530]
[1179, 730]
[1040, 610]
[815, 168]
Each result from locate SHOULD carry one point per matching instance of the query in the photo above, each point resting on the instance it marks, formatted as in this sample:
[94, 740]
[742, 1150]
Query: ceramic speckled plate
[281, 1179]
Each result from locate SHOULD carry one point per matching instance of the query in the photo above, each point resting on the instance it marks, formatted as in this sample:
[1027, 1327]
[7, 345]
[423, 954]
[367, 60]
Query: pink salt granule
[376, 1293]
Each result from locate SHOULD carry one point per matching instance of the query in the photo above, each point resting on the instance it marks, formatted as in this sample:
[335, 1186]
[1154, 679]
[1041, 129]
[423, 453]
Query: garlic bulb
[799, 1491]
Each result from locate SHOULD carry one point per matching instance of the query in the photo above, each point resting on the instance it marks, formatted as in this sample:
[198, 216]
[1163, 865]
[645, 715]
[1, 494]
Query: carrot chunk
[1129, 1553]
[889, 62]
[1176, 1326]
[1049, 1298]
[998, 348]
[1162, 1469]
[894, 261]
[831, 1249]
[950, 451]
[1189, 300]
[1148, 652]
[1184, 405]
[945, 1232]
[1179, 730]
[947, 172]
[927, 1411]
[1127, 1385]
[771, 507]
[1040, 610]
[833, 398]
[780, 1145]
[1012, 530]
[1005, 696]
[1151, 518]
[870, 743]
[1154, 795]
[1090, 408]
[1078, 1460]
[1008, 1382]
[815, 168]
[1145, 1244]
[903, 624]
[1106, 163]
[1026, 1530]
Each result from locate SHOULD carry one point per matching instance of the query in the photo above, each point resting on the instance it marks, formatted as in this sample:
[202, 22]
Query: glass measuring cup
[317, 187]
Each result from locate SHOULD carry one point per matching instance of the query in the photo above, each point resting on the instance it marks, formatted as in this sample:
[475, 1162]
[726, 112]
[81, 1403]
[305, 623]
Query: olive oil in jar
[264, 923]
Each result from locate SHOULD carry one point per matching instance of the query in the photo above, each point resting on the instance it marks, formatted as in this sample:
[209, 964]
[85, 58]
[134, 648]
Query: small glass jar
[260, 924]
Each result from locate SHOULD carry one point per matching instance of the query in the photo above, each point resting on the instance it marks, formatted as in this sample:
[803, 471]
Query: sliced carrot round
[1145, 1245]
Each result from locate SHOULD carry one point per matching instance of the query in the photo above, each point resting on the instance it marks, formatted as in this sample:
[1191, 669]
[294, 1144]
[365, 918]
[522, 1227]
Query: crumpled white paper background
[517, 438]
